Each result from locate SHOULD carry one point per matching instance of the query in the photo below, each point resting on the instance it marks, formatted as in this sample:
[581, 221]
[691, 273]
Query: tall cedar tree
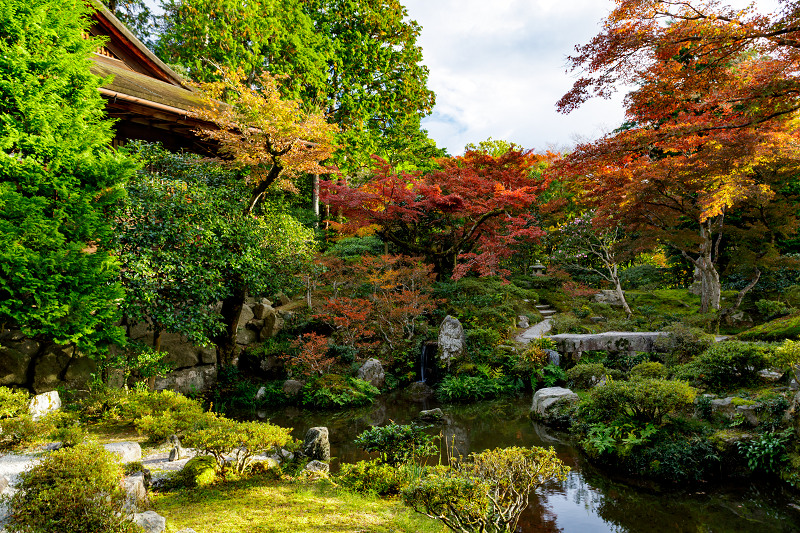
[58, 176]
[464, 217]
[707, 133]
[355, 60]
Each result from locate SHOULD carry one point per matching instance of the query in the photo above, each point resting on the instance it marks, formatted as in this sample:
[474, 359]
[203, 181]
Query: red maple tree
[461, 218]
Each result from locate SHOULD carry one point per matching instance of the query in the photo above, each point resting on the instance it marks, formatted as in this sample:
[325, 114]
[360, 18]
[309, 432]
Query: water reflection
[588, 501]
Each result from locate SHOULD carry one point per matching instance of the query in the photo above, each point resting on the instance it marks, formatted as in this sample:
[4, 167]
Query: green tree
[186, 242]
[58, 176]
[136, 15]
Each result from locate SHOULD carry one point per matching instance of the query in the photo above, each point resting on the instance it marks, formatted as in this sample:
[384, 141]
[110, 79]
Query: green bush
[586, 375]
[683, 343]
[550, 375]
[649, 370]
[397, 444]
[73, 489]
[644, 400]
[645, 277]
[13, 402]
[486, 492]
[239, 440]
[728, 365]
[462, 388]
[333, 391]
[163, 414]
[772, 308]
[567, 323]
[482, 341]
[766, 453]
[372, 477]
[356, 247]
[199, 471]
[787, 357]
[18, 432]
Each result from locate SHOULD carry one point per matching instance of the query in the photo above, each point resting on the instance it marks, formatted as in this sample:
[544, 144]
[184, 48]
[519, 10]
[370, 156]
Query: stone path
[538, 330]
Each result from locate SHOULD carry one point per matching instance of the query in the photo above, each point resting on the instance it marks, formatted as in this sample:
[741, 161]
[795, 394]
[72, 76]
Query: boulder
[246, 336]
[608, 296]
[246, 315]
[127, 451]
[724, 407]
[553, 406]
[272, 325]
[316, 444]
[208, 355]
[553, 357]
[200, 471]
[262, 309]
[292, 387]
[372, 372]
[522, 322]
[316, 467]
[749, 413]
[283, 299]
[135, 492]
[79, 372]
[150, 521]
[269, 363]
[13, 366]
[435, 416]
[43, 404]
[611, 341]
[50, 366]
[188, 380]
[419, 391]
[452, 340]
[180, 352]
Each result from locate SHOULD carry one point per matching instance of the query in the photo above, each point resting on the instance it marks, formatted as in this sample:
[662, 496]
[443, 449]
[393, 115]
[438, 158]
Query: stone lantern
[538, 269]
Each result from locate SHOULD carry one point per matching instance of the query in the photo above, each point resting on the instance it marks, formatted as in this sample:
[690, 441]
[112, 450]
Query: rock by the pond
[522, 322]
[43, 404]
[432, 415]
[372, 372]
[419, 391]
[318, 466]
[127, 451]
[292, 387]
[316, 444]
[135, 492]
[150, 521]
[261, 393]
[552, 405]
[452, 340]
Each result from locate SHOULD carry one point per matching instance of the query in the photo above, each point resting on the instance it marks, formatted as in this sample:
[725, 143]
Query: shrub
[373, 476]
[177, 415]
[649, 370]
[586, 375]
[13, 402]
[766, 453]
[645, 400]
[397, 444]
[461, 388]
[199, 471]
[728, 364]
[241, 440]
[73, 489]
[787, 327]
[772, 308]
[683, 343]
[332, 391]
[787, 357]
[566, 323]
[488, 491]
[18, 431]
[551, 375]
[645, 277]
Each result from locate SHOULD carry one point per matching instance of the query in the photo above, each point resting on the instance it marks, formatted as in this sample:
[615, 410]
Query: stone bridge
[573, 345]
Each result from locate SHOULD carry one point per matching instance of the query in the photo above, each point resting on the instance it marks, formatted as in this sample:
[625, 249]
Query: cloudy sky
[498, 68]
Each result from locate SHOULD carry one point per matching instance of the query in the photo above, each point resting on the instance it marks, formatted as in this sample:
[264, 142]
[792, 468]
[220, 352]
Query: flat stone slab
[612, 341]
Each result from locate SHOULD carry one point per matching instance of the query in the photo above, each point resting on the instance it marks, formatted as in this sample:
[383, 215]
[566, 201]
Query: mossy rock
[199, 471]
[787, 327]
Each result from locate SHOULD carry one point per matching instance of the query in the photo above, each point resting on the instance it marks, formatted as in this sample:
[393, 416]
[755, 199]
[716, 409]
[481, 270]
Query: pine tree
[58, 176]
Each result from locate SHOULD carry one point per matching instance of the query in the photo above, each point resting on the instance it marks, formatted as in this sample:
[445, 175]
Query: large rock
[135, 491]
[208, 355]
[43, 404]
[246, 315]
[317, 444]
[189, 380]
[452, 340]
[372, 372]
[272, 325]
[433, 416]
[611, 341]
[317, 467]
[246, 336]
[522, 322]
[127, 451]
[262, 309]
[13, 366]
[50, 366]
[292, 387]
[79, 373]
[553, 406]
[150, 521]
[608, 296]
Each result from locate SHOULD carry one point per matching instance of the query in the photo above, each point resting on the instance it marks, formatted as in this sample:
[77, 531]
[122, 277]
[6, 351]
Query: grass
[262, 505]
[787, 327]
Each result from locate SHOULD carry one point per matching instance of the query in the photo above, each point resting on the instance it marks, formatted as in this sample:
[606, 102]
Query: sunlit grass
[263, 505]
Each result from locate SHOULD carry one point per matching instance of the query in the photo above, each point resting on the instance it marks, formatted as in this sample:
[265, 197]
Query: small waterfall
[426, 354]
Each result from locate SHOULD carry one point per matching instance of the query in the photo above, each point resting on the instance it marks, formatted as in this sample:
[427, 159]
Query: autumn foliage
[462, 218]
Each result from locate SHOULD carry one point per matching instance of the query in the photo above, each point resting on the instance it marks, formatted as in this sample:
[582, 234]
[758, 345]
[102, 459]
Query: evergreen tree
[58, 176]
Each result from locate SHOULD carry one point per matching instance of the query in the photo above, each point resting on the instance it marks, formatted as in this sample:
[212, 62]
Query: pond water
[589, 500]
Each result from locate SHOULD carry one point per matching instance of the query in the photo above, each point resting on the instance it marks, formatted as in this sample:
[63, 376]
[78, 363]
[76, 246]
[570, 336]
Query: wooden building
[150, 101]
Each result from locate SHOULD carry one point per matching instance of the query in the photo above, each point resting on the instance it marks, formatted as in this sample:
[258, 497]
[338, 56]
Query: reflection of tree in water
[538, 518]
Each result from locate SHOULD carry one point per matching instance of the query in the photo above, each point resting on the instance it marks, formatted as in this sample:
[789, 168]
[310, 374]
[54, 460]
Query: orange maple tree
[708, 130]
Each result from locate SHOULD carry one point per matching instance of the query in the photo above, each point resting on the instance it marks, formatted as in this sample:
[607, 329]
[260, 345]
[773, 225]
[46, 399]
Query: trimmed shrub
[586, 375]
[13, 402]
[73, 489]
[649, 370]
[787, 357]
[199, 471]
[397, 444]
[17, 432]
[645, 400]
[373, 477]
[787, 327]
[683, 343]
[728, 365]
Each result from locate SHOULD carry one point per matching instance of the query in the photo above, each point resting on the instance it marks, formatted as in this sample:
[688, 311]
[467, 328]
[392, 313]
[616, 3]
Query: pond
[589, 500]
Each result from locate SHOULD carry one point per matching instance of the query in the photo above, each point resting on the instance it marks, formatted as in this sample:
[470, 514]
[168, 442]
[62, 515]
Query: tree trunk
[315, 198]
[709, 277]
[231, 311]
[621, 293]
